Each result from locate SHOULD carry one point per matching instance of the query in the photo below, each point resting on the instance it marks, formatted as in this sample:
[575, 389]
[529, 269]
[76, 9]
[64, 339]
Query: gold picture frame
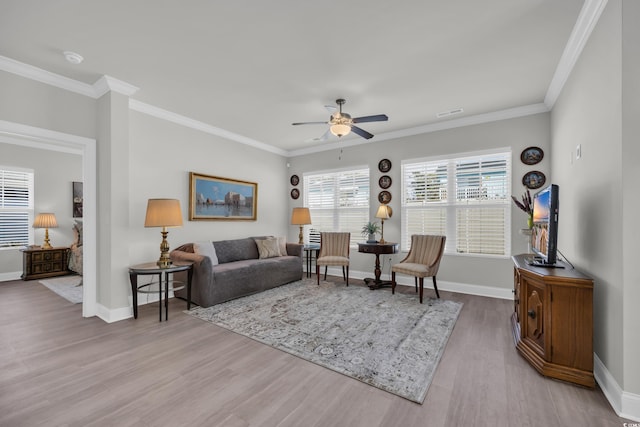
[212, 198]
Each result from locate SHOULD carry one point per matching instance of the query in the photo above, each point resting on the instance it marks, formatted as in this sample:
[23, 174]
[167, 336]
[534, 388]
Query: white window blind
[465, 198]
[338, 201]
[16, 207]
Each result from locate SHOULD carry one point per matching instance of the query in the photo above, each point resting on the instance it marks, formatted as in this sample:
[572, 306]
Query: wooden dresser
[38, 263]
[552, 321]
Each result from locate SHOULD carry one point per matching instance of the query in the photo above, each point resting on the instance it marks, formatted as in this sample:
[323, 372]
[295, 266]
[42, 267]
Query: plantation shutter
[424, 199]
[466, 198]
[16, 207]
[338, 201]
[483, 203]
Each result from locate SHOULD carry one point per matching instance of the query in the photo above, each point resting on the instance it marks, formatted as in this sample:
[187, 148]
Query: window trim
[452, 206]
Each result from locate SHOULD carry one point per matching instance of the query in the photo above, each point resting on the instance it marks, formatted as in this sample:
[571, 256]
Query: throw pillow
[282, 245]
[268, 248]
[206, 249]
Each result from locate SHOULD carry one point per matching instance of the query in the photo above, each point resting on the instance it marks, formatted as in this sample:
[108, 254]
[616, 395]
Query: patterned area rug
[68, 287]
[388, 341]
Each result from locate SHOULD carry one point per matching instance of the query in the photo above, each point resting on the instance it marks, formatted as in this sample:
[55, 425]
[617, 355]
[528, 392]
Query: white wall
[598, 109]
[163, 154]
[469, 270]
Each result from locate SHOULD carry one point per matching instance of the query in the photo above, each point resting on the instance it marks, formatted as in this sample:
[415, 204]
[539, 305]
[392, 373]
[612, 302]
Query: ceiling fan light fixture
[340, 129]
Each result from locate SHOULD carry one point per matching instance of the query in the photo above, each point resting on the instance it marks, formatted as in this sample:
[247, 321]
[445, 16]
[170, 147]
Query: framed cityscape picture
[216, 198]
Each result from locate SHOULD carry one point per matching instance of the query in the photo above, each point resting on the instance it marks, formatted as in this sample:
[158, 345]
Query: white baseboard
[123, 313]
[626, 405]
[15, 275]
[443, 285]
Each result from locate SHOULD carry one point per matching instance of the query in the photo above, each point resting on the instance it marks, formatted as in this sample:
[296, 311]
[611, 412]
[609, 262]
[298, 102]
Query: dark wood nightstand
[38, 263]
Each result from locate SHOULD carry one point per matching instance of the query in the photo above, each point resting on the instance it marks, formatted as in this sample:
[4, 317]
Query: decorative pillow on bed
[268, 248]
[206, 249]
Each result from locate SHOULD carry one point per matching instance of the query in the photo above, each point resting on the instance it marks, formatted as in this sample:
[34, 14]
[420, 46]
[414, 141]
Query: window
[338, 201]
[16, 207]
[465, 198]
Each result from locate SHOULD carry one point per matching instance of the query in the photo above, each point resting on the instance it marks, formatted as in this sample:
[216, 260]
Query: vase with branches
[525, 204]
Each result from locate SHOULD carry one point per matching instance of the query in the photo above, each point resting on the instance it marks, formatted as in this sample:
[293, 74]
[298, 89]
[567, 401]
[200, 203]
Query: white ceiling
[252, 68]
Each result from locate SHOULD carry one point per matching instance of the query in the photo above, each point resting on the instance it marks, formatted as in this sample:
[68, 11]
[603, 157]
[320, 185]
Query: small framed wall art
[531, 155]
[294, 180]
[533, 180]
[384, 165]
[384, 197]
[295, 194]
[384, 182]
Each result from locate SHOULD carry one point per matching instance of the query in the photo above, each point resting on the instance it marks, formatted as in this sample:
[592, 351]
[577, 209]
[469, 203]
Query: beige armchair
[422, 261]
[334, 251]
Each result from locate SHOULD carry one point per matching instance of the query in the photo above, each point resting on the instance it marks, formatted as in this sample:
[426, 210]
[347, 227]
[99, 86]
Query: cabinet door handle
[532, 313]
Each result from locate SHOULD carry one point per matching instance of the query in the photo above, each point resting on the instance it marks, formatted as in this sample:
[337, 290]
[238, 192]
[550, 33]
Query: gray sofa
[239, 271]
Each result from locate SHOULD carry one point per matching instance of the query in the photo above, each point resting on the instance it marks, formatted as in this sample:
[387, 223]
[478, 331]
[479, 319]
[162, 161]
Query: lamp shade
[45, 220]
[163, 213]
[383, 212]
[300, 216]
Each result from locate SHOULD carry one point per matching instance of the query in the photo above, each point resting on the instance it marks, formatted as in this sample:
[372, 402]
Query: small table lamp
[301, 217]
[383, 213]
[163, 213]
[46, 221]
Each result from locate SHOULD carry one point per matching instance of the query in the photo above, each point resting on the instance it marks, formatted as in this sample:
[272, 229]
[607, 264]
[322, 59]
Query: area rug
[388, 341]
[68, 287]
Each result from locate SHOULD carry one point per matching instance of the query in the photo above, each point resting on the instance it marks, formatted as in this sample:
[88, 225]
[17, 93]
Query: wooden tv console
[552, 322]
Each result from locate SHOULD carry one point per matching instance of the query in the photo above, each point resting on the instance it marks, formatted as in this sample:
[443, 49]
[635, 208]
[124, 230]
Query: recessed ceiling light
[72, 57]
[449, 113]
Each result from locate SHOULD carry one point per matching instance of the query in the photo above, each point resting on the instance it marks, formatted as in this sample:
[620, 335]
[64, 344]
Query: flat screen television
[544, 233]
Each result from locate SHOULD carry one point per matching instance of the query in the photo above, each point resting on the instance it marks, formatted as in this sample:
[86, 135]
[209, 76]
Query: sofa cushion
[268, 248]
[206, 249]
[235, 250]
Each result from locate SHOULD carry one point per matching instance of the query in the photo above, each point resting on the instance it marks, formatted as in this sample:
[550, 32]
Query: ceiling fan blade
[376, 118]
[310, 123]
[321, 138]
[363, 133]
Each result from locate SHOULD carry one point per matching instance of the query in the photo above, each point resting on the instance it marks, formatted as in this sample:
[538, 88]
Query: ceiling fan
[342, 123]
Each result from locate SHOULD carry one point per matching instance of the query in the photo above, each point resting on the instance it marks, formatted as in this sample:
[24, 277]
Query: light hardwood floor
[57, 368]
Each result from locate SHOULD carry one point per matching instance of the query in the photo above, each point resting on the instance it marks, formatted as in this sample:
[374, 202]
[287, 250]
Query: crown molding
[159, 113]
[103, 85]
[43, 76]
[587, 20]
[510, 113]
[109, 84]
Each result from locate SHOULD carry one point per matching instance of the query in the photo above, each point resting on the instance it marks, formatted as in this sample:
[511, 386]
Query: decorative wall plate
[534, 179]
[384, 181]
[384, 197]
[531, 155]
[295, 193]
[294, 180]
[384, 165]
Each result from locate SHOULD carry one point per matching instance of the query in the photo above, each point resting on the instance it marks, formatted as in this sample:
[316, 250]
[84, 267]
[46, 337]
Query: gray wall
[468, 270]
[599, 192]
